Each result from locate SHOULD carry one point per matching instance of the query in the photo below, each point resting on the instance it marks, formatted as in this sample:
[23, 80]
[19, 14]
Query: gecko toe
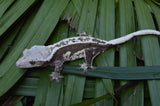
[55, 76]
[85, 70]
[57, 80]
[83, 66]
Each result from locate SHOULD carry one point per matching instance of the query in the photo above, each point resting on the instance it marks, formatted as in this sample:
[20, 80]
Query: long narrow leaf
[86, 23]
[150, 47]
[156, 11]
[37, 33]
[7, 41]
[5, 5]
[41, 92]
[91, 101]
[17, 9]
[119, 73]
[106, 31]
[55, 88]
[27, 88]
[126, 73]
[127, 58]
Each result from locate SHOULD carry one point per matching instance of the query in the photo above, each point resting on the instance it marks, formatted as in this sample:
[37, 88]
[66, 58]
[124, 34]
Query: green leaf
[25, 23]
[14, 12]
[150, 47]
[88, 16]
[156, 2]
[55, 88]
[75, 84]
[37, 32]
[7, 41]
[48, 93]
[156, 11]
[42, 88]
[89, 102]
[72, 13]
[4, 5]
[134, 95]
[27, 87]
[32, 82]
[8, 64]
[78, 5]
[106, 31]
[119, 73]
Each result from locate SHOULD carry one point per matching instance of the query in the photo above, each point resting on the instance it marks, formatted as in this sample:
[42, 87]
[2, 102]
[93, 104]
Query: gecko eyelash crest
[71, 49]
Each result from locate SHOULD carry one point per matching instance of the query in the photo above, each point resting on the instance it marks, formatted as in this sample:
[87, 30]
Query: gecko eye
[32, 62]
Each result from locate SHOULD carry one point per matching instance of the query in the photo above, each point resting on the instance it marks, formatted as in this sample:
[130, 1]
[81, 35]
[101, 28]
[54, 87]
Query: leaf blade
[15, 12]
[30, 37]
[151, 51]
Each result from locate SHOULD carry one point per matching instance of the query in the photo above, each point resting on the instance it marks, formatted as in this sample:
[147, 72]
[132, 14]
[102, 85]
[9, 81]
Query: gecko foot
[55, 76]
[82, 33]
[83, 66]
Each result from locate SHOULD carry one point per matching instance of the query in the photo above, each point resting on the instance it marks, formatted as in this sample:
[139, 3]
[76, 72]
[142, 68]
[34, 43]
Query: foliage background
[24, 23]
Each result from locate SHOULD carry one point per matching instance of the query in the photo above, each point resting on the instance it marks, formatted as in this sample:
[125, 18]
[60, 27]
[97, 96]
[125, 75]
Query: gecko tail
[128, 37]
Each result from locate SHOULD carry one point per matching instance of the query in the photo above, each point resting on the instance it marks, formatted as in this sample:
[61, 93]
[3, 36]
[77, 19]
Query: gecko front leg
[56, 74]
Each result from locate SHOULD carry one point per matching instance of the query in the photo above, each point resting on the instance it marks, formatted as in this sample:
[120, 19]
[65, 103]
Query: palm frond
[24, 23]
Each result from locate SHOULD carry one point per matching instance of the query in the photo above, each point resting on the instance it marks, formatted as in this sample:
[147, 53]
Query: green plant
[24, 23]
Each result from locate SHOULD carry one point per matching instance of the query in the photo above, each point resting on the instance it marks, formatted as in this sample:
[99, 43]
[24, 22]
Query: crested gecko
[71, 49]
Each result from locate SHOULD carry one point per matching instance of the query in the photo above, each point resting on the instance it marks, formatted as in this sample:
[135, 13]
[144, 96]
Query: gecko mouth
[28, 63]
[23, 64]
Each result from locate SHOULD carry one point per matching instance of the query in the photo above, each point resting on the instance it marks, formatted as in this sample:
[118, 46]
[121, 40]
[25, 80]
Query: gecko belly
[68, 56]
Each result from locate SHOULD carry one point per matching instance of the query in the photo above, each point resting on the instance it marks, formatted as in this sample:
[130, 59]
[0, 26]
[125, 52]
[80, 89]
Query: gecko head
[34, 57]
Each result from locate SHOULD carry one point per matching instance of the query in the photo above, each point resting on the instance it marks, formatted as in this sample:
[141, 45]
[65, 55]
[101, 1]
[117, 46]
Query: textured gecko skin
[71, 49]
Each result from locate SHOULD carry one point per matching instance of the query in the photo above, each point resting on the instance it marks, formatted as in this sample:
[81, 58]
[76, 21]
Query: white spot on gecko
[78, 55]
[67, 55]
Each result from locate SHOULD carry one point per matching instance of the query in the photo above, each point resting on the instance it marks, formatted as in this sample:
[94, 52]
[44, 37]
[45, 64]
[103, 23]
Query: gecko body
[71, 49]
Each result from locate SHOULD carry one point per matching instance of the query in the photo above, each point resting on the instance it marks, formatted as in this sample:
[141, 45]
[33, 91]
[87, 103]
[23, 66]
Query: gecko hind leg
[83, 66]
[90, 54]
[58, 68]
[55, 76]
